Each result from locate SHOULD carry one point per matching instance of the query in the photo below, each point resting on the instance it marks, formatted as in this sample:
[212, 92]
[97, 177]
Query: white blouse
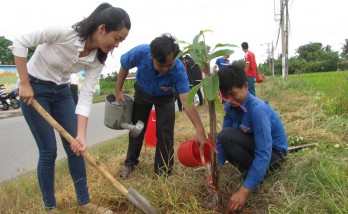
[57, 57]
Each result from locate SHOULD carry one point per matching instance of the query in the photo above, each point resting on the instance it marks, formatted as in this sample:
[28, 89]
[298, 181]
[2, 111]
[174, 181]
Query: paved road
[18, 151]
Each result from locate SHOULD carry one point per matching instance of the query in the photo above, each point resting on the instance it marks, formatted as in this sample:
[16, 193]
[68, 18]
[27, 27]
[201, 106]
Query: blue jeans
[251, 83]
[58, 102]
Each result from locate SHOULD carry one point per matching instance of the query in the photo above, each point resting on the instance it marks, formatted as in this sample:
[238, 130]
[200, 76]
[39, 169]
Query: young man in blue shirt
[159, 72]
[221, 62]
[253, 138]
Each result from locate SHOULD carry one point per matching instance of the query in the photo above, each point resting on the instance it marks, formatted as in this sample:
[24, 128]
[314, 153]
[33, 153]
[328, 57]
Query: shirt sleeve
[86, 95]
[260, 118]
[133, 57]
[20, 44]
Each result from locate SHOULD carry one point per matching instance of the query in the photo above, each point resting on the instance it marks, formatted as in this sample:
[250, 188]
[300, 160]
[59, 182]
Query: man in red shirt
[250, 67]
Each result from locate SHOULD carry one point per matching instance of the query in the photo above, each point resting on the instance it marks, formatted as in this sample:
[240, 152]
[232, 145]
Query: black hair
[113, 18]
[161, 47]
[245, 45]
[231, 76]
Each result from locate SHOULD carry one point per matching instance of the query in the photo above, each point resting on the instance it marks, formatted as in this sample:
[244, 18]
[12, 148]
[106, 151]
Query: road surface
[18, 150]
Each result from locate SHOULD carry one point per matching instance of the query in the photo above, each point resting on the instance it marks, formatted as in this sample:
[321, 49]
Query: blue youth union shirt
[155, 84]
[264, 123]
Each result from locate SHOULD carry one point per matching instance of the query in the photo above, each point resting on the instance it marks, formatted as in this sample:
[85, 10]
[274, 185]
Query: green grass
[330, 88]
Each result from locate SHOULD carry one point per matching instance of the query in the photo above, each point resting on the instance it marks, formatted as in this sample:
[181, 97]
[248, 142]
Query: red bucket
[150, 134]
[189, 155]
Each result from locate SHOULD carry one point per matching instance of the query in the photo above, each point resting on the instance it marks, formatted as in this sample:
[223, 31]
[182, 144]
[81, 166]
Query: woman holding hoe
[59, 53]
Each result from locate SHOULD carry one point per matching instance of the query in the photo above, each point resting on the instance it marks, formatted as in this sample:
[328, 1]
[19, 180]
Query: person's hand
[210, 183]
[79, 145]
[237, 200]
[26, 93]
[119, 97]
[200, 138]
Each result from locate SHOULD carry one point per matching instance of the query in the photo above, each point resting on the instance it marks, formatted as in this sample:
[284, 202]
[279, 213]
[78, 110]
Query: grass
[313, 180]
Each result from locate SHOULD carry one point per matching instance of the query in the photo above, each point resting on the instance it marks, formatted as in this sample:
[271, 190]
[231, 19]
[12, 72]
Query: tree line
[312, 57]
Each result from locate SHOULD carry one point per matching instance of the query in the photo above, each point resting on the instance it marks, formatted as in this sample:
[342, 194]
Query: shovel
[132, 195]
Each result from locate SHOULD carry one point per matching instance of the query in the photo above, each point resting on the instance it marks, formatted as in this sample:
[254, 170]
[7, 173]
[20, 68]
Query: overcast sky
[232, 21]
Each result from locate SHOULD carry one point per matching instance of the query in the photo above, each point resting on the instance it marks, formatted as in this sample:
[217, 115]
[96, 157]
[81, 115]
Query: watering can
[118, 115]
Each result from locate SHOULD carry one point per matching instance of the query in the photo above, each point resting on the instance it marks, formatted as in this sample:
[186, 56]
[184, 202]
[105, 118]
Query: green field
[329, 88]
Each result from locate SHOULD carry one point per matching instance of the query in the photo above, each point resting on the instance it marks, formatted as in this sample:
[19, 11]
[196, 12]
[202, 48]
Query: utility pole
[269, 55]
[272, 59]
[286, 41]
[284, 28]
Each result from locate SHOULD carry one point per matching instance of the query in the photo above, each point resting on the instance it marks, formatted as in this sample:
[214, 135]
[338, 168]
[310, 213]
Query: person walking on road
[159, 72]
[61, 51]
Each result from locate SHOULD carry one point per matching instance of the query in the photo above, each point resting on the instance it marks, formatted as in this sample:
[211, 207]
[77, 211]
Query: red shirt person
[250, 67]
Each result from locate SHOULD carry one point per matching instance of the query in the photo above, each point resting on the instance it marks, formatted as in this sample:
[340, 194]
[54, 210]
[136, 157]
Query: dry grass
[185, 190]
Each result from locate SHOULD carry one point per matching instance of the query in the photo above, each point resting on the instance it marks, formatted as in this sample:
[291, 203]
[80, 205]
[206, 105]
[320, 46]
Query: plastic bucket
[150, 134]
[118, 112]
[189, 155]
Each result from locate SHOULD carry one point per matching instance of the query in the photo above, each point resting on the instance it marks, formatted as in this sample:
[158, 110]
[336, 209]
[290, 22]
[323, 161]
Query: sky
[231, 21]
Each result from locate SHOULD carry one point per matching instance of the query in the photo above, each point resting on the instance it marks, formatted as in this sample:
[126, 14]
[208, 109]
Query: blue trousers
[251, 83]
[239, 149]
[58, 102]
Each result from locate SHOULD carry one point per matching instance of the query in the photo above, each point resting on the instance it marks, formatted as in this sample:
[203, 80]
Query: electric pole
[284, 28]
[272, 59]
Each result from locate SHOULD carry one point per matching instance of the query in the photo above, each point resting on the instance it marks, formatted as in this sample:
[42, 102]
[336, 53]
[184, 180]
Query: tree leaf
[219, 107]
[210, 87]
[220, 53]
[192, 93]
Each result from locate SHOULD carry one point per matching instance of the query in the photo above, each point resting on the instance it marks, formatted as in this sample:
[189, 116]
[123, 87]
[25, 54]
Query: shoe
[93, 208]
[125, 172]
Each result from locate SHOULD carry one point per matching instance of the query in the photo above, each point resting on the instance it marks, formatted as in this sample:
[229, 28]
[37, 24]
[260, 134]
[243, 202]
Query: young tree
[202, 55]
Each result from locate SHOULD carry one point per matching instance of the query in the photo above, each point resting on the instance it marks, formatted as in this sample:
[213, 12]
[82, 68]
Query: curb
[10, 113]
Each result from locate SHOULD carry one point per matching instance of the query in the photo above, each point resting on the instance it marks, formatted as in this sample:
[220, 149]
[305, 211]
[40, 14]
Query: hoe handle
[72, 140]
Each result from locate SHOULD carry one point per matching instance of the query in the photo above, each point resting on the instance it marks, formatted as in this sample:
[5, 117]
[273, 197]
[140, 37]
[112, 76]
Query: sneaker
[125, 172]
[93, 208]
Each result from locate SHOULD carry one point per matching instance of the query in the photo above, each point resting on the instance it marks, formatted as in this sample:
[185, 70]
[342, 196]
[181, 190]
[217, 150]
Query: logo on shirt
[245, 130]
[166, 89]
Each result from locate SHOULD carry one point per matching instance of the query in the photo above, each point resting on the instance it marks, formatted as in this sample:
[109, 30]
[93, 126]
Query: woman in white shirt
[60, 52]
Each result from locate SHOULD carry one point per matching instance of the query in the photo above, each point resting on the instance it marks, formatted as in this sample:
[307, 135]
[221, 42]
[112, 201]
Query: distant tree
[313, 57]
[6, 57]
[344, 53]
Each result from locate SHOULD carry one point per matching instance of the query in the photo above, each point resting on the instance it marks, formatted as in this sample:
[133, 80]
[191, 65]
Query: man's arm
[122, 75]
[192, 113]
[246, 67]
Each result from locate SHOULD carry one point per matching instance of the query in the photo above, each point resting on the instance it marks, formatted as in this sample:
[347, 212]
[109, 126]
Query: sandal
[52, 211]
[93, 208]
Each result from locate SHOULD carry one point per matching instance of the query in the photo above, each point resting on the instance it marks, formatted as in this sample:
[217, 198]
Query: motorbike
[14, 99]
[8, 99]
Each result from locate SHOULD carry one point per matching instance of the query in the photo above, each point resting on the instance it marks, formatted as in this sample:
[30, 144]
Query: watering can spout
[135, 130]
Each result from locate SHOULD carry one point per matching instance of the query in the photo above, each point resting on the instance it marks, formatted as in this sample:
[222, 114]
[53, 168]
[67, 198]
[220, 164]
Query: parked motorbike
[8, 99]
[14, 98]
[4, 101]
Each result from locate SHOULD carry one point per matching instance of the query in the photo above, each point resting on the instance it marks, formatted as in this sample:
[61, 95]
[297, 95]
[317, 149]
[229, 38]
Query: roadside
[10, 113]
